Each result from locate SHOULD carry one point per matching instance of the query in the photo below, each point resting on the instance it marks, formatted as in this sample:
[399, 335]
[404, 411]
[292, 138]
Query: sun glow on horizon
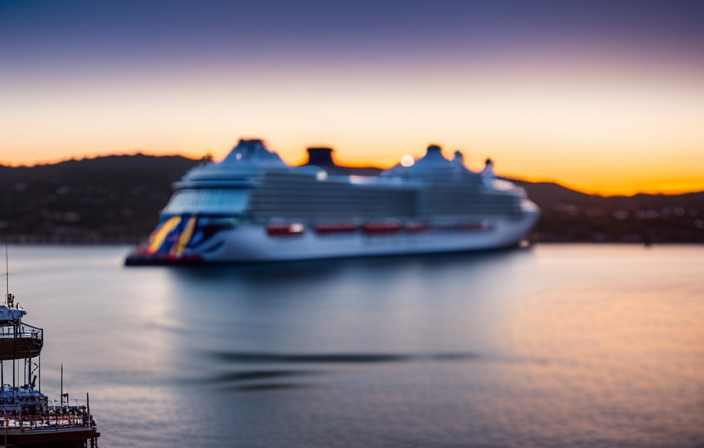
[620, 130]
[655, 182]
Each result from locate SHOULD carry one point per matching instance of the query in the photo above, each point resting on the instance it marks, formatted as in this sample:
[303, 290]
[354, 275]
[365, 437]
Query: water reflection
[554, 346]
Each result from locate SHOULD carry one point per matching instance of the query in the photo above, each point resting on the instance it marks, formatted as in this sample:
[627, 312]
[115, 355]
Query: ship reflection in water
[551, 346]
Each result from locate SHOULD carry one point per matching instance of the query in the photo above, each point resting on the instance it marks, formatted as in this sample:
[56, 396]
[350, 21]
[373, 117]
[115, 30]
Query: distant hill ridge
[561, 193]
[114, 168]
[118, 199]
[126, 168]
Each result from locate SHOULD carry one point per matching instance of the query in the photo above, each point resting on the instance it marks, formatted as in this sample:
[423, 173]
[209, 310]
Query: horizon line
[515, 177]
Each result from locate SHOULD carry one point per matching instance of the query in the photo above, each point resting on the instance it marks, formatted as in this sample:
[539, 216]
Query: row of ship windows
[234, 201]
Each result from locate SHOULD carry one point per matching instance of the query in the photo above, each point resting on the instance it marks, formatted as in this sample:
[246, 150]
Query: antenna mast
[7, 273]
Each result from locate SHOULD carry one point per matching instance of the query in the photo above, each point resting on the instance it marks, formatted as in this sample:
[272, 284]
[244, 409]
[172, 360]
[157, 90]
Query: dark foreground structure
[27, 419]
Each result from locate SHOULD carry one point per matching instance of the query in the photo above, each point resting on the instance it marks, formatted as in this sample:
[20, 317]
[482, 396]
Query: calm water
[563, 346]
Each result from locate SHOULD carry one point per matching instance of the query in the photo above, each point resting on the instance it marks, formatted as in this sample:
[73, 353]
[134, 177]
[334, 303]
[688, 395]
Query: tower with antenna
[26, 417]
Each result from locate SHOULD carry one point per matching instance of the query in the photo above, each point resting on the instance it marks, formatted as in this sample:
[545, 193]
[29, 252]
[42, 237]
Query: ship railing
[25, 331]
[50, 417]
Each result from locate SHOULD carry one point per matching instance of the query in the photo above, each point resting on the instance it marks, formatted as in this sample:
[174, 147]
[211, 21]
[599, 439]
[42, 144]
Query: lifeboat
[342, 227]
[381, 227]
[295, 228]
[416, 227]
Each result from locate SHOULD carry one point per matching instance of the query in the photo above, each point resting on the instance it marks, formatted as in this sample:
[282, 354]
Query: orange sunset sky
[611, 114]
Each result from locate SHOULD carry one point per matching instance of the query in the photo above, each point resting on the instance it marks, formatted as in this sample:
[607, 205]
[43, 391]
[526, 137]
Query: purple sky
[128, 33]
[549, 89]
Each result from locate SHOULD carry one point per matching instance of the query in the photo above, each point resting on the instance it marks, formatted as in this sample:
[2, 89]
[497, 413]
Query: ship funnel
[320, 157]
[488, 169]
[458, 161]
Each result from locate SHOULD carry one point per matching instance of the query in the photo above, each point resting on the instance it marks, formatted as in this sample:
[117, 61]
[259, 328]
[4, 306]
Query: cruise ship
[253, 207]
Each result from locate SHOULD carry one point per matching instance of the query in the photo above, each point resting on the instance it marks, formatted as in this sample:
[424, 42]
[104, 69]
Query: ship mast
[7, 274]
[7, 295]
[25, 412]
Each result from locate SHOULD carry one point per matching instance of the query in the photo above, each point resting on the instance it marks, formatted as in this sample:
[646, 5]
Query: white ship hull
[251, 243]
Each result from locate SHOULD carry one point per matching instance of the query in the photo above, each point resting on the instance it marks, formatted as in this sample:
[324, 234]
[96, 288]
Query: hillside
[569, 215]
[118, 198]
[106, 199]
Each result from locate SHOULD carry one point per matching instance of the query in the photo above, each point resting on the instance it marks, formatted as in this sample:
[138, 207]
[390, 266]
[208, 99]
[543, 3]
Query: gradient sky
[603, 96]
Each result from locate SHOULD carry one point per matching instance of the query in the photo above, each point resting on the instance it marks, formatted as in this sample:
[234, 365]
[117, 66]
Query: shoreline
[38, 241]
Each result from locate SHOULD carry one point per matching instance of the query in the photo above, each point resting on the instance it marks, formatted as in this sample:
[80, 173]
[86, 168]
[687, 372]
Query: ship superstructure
[252, 206]
[27, 417]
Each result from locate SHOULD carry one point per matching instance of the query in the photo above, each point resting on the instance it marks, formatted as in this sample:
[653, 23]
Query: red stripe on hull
[335, 228]
[285, 229]
[416, 227]
[373, 228]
